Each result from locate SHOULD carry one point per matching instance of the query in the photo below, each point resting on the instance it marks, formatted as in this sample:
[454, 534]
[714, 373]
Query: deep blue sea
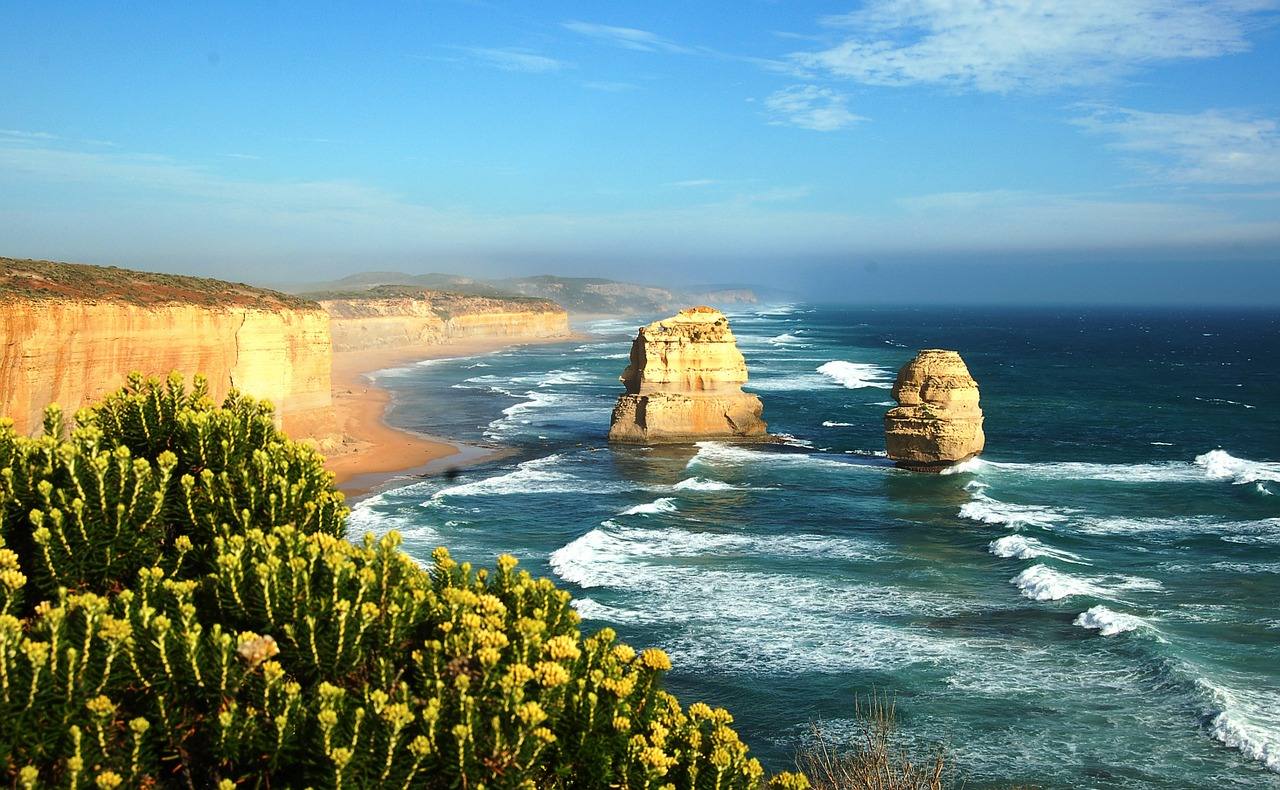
[1093, 603]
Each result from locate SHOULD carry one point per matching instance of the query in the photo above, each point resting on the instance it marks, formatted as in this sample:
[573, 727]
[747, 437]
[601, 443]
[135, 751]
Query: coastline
[371, 452]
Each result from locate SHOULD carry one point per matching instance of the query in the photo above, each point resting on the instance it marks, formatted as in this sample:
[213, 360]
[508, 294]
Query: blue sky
[710, 141]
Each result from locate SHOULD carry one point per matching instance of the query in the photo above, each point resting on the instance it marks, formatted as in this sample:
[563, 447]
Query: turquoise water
[1092, 604]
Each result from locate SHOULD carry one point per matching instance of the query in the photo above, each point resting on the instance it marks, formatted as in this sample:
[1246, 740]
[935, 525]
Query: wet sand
[371, 453]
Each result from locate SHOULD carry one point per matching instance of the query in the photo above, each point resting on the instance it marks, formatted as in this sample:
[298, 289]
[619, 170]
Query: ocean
[1093, 603]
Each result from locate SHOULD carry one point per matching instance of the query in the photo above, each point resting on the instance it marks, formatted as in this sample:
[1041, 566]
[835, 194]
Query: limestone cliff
[69, 333]
[396, 316]
[937, 421]
[684, 383]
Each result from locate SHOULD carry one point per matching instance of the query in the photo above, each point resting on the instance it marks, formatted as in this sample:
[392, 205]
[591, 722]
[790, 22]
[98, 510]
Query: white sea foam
[1213, 465]
[1161, 444]
[561, 377]
[1221, 465]
[369, 515]
[703, 484]
[1026, 548]
[658, 506]
[1107, 622]
[788, 340]
[1245, 720]
[721, 454]
[992, 511]
[857, 375]
[538, 476]
[1042, 583]
[1225, 402]
[834, 424]
[971, 466]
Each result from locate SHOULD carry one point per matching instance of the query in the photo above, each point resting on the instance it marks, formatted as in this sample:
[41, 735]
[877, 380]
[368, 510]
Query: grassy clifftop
[354, 303]
[32, 280]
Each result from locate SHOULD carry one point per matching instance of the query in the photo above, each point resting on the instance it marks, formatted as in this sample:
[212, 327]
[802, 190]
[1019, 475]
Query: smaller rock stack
[937, 421]
[684, 384]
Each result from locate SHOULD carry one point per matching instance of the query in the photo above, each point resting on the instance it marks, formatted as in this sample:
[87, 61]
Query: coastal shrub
[872, 759]
[179, 607]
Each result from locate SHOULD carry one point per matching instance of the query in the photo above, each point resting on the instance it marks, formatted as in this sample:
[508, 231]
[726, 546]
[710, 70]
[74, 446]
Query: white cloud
[625, 37]
[1005, 45]
[811, 107]
[1210, 147]
[515, 60]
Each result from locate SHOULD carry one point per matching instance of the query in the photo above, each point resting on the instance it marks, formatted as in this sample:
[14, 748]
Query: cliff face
[407, 317]
[937, 421]
[69, 334]
[684, 383]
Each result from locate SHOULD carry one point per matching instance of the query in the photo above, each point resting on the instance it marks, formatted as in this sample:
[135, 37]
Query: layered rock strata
[937, 421]
[70, 333]
[393, 317]
[684, 383]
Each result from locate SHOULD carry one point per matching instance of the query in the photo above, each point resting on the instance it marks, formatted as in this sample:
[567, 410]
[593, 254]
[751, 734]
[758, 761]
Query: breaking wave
[857, 375]
[1042, 583]
[1021, 547]
[662, 505]
[1107, 622]
[992, 511]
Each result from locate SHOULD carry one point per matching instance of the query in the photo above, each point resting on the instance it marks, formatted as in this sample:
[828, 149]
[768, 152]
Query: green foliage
[179, 606]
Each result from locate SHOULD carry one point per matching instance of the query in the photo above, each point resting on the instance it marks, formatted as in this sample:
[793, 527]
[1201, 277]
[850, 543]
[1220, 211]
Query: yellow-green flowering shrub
[179, 607]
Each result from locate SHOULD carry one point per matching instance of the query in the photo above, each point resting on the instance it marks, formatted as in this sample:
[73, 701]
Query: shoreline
[372, 453]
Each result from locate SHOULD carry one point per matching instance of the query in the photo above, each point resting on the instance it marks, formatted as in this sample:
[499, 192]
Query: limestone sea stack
[937, 421]
[684, 384]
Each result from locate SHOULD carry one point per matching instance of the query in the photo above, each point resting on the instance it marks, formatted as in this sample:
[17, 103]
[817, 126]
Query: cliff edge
[393, 316]
[937, 421]
[684, 383]
[72, 332]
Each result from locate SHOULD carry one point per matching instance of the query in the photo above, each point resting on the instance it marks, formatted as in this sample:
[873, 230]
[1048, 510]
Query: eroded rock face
[411, 317]
[937, 421]
[684, 383]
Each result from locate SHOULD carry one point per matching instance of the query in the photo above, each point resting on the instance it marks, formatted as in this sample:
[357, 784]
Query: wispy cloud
[625, 37]
[254, 157]
[19, 134]
[1210, 147]
[693, 183]
[1006, 45]
[515, 60]
[261, 227]
[811, 107]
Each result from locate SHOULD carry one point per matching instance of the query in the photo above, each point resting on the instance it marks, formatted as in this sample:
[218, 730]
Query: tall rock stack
[937, 421]
[684, 383]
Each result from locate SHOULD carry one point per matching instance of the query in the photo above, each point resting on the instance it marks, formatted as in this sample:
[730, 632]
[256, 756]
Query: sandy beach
[372, 452]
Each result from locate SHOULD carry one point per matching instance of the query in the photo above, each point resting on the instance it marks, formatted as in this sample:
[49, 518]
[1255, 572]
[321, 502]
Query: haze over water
[1091, 604]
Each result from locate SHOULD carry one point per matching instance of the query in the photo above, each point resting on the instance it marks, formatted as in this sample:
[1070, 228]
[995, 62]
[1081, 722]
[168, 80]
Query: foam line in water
[1221, 465]
[1022, 547]
[654, 508]
[834, 424]
[857, 375]
[721, 454]
[986, 510]
[1042, 583]
[1213, 465]
[1107, 622]
[1245, 720]
[704, 484]
[538, 476]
